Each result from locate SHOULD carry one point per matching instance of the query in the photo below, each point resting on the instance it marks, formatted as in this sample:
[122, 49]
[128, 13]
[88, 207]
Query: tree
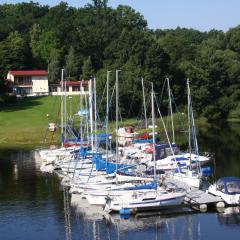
[87, 69]
[70, 68]
[12, 52]
[233, 39]
[54, 66]
[42, 43]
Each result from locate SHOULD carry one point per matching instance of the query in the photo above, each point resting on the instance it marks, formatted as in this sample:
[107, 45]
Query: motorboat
[228, 188]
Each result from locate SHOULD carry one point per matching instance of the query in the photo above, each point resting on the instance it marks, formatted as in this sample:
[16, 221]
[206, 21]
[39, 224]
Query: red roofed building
[72, 88]
[28, 82]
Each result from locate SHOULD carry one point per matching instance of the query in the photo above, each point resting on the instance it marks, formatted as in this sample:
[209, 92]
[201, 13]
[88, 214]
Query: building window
[23, 80]
[24, 91]
[75, 88]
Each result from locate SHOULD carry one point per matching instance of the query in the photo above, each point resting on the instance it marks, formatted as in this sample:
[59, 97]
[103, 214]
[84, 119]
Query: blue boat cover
[151, 185]
[112, 167]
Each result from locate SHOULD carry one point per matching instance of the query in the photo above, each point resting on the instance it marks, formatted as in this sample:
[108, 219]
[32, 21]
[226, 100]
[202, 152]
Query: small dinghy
[228, 188]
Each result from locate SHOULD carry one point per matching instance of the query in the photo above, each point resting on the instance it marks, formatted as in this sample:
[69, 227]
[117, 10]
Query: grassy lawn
[25, 122]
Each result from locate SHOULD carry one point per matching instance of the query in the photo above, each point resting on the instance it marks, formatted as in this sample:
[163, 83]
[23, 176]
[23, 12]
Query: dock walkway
[194, 196]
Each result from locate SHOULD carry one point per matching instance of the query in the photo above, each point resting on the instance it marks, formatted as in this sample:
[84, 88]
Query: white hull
[169, 162]
[227, 198]
[144, 199]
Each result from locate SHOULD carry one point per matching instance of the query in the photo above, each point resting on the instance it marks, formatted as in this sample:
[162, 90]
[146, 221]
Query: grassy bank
[24, 123]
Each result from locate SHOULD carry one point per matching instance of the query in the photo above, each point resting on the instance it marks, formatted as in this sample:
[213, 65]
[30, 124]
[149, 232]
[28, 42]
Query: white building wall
[40, 84]
[10, 77]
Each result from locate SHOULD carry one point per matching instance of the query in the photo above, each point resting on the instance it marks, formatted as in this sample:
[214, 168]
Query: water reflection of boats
[144, 222]
[137, 224]
[67, 214]
[229, 216]
[83, 208]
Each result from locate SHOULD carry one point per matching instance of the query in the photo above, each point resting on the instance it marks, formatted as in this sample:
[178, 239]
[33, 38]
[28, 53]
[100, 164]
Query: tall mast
[117, 96]
[189, 121]
[170, 105]
[144, 105]
[88, 111]
[95, 112]
[194, 131]
[81, 111]
[153, 127]
[91, 112]
[62, 135]
[107, 112]
[65, 108]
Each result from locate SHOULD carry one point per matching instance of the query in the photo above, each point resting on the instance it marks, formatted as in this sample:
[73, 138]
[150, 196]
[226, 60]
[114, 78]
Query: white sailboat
[188, 175]
[165, 160]
[141, 198]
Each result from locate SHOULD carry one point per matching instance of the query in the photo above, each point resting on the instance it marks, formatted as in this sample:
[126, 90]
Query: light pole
[70, 107]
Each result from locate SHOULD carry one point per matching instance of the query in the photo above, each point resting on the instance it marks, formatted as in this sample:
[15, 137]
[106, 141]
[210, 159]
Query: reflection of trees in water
[223, 141]
[23, 181]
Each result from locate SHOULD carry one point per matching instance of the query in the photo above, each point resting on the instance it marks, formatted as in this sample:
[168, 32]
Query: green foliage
[70, 67]
[97, 38]
[233, 39]
[42, 43]
[53, 66]
[12, 52]
[87, 70]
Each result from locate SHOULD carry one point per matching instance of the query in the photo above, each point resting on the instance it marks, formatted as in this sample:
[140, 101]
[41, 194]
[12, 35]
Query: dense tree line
[91, 40]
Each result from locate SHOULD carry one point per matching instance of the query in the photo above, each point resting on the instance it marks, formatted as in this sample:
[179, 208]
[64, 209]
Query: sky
[202, 15]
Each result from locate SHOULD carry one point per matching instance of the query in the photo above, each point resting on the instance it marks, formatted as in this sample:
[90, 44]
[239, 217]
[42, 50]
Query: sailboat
[188, 175]
[141, 198]
[164, 156]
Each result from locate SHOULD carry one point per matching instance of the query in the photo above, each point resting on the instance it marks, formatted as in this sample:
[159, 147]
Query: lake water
[34, 205]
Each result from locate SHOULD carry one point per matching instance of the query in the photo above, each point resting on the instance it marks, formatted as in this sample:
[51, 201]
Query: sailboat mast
[107, 112]
[195, 135]
[189, 121]
[81, 115]
[144, 105]
[170, 105]
[192, 122]
[62, 136]
[88, 112]
[91, 112]
[117, 96]
[65, 109]
[95, 112]
[153, 127]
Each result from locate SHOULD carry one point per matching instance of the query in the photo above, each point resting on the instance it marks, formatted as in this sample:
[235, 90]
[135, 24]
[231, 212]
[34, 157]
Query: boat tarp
[151, 185]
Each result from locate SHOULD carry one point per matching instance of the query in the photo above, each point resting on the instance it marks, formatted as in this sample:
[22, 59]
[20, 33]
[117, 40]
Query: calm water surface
[34, 206]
